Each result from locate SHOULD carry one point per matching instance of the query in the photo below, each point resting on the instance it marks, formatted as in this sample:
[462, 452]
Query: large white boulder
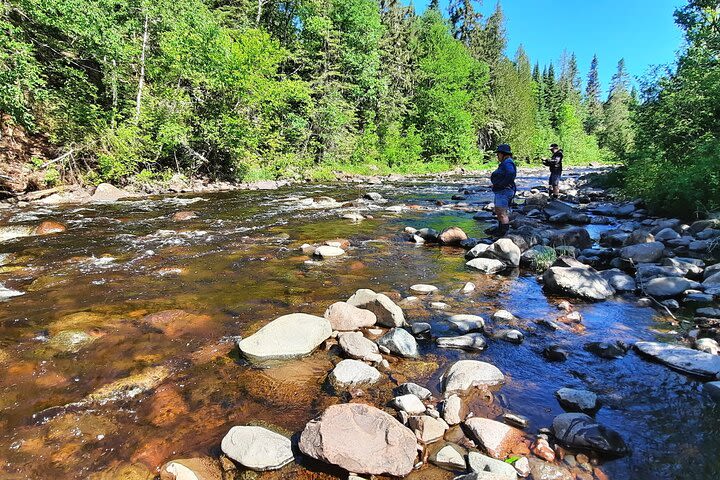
[289, 336]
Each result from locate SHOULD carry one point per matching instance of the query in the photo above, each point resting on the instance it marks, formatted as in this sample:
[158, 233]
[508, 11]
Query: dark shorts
[504, 198]
[555, 178]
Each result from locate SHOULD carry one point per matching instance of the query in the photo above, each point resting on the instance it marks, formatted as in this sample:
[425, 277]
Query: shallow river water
[237, 266]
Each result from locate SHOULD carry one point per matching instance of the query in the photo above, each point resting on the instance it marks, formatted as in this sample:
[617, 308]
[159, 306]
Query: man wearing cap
[555, 164]
[503, 185]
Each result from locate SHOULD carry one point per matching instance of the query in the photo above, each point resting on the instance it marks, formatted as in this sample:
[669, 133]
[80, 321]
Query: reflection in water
[128, 292]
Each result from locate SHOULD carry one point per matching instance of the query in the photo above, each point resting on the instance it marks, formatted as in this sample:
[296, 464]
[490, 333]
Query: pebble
[468, 287]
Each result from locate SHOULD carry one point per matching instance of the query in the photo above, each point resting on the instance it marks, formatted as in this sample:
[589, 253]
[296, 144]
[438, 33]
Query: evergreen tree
[617, 134]
[517, 104]
[466, 23]
[434, 5]
[493, 42]
[593, 105]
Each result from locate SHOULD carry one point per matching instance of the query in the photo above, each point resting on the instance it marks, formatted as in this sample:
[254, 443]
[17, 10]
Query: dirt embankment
[18, 150]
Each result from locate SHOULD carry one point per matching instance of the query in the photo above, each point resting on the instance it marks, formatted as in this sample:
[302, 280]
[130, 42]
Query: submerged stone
[681, 358]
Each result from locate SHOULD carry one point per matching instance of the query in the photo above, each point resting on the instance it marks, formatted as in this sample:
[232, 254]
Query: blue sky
[641, 31]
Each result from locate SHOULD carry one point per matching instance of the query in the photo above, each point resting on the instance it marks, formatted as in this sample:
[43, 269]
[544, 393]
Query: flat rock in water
[345, 317]
[387, 312]
[466, 374]
[351, 373]
[509, 335]
[574, 400]
[665, 287]
[289, 336]
[578, 282]
[708, 312]
[495, 437]
[487, 265]
[471, 341]
[682, 358]
[379, 444]
[467, 323]
[257, 448]
[577, 430]
[422, 289]
[500, 470]
[326, 251]
[191, 469]
[399, 342]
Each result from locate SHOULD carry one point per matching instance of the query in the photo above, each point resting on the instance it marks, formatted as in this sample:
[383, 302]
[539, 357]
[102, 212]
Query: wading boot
[503, 230]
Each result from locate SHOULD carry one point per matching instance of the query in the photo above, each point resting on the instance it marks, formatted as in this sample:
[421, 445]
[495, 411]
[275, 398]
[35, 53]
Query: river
[85, 319]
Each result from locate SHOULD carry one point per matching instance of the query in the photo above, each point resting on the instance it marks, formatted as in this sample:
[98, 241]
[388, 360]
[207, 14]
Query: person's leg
[554, 185]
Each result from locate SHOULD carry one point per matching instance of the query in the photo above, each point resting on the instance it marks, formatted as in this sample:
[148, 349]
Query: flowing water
[128, 292]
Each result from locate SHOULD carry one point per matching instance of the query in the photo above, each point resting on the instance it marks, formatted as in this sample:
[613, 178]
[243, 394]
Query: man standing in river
[555, 164]
[503, 185]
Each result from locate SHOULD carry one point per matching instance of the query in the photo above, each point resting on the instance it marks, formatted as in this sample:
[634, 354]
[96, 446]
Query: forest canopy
[250, 89]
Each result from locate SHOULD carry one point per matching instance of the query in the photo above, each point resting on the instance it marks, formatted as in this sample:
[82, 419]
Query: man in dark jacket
[555, 164]
[503, 185]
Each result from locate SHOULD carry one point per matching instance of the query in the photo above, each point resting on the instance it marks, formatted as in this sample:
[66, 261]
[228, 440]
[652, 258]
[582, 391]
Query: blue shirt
[504, 177]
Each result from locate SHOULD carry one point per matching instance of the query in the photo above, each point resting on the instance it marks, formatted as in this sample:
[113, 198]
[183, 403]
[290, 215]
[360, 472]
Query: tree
[516, 104]
[493, 42]
[466, 23]
[593, 105]
[674, 161]
[617, 134]
[449, 81]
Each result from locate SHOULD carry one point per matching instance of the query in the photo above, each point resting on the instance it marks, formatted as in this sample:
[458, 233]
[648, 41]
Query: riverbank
[136, 335]
[365, 174]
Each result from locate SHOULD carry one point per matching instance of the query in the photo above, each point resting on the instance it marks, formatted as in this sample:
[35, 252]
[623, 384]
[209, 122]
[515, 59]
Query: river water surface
[126, 289]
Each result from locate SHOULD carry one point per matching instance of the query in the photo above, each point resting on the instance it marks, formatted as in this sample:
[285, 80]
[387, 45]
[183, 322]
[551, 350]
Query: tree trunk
[141, 80]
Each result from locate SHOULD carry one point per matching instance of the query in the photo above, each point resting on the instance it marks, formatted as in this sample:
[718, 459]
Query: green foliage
[254, 90]
[448, 79]
[675, 161]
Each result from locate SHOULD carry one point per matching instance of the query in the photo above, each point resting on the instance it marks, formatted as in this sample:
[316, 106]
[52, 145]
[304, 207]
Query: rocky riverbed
[358, 331]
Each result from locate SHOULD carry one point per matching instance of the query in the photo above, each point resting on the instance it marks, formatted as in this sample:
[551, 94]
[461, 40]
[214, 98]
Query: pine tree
[617, 134]
[493, 41]
[434, 5]
[593, 105]
[517, 104]
[466, 23]
[570, 81]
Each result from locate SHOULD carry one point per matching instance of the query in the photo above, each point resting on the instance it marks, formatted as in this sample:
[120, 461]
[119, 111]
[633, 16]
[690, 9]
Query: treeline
[675, 160]
[134, 89]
